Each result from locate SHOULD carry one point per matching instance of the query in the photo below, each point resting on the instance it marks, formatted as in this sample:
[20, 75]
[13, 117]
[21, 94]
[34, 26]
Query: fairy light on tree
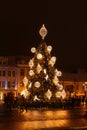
[43, 80]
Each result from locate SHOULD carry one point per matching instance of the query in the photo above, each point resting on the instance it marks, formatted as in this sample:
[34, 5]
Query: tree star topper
[43, 31]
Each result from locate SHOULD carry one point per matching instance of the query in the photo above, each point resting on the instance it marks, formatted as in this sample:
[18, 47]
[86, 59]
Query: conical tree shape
[43, 83]
[43, 79]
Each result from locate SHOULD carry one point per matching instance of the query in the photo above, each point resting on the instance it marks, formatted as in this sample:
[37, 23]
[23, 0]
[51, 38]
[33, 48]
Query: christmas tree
[43, 83]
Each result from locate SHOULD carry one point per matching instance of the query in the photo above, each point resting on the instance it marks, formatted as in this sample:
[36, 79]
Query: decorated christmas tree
[42, 82]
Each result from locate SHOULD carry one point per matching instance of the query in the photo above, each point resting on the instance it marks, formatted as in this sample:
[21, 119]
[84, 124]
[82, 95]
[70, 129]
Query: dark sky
[66, 22]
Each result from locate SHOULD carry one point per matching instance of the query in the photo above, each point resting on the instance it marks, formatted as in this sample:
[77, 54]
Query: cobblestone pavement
[73, 119]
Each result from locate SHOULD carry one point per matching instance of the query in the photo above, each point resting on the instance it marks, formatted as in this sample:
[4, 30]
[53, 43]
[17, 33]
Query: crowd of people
[21, 103]
[12, 102]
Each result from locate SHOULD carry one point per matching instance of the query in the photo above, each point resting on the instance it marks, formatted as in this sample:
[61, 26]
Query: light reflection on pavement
[38, 119]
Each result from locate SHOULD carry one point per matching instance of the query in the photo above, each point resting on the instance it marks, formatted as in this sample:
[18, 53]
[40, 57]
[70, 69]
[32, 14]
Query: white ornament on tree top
[43, 31]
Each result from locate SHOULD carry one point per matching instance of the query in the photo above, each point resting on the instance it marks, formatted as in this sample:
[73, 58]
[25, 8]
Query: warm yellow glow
[52, 61]
[33, 49]
[43, 31]
[55, 80]
[49, 94]
[60, 86]
[1, 95]
[31, 64]
[46, 77]
[25, 81]
[63, 94]
[58, 94]
[58, 73]
[31, 72]
[37, 84]
[49, 48]
[25, 93]
[29, 86]
[47, 119]
[39, 68]
[36, 98]
[44, 71]
[39, 56]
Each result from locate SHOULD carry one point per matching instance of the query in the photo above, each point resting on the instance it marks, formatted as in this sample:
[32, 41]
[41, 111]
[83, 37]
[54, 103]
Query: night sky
[66, 22]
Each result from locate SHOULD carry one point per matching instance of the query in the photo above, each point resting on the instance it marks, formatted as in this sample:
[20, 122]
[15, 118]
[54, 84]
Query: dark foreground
[43, 119]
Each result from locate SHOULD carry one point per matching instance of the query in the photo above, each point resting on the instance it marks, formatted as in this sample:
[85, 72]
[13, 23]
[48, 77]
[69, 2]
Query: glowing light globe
[44, 71]
[58, 73]
[63, 94]
[39, 56]
[49, 48]
[25, 81]
[31, 73]
[29, 86]
[55, 80]
[36, 98]
[33, 49]
[37, 84]
[58, 94]
[53, 59]
[48, 94]
[25, 93]
[60, 86]
[31, 64]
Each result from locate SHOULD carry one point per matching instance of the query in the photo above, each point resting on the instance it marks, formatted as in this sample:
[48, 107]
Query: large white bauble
[37, 84]
[39, 56]
[31, 72]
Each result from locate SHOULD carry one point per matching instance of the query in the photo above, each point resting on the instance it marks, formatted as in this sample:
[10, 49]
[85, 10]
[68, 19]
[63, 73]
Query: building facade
[75, 84]
[12, 71]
